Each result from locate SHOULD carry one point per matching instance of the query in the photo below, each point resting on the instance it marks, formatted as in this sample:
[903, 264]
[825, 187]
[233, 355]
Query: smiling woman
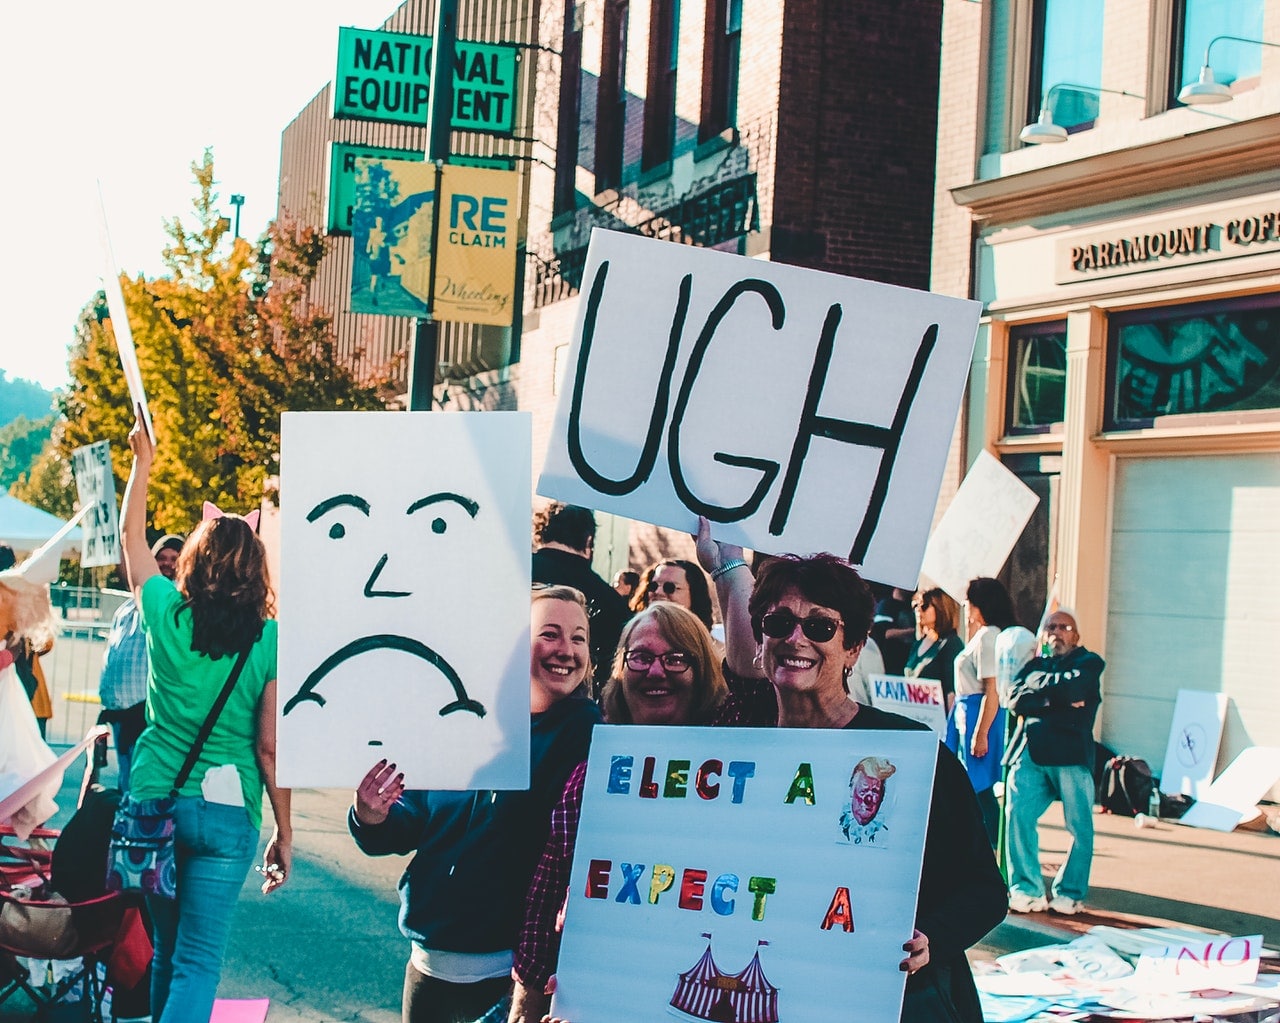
[474, 852]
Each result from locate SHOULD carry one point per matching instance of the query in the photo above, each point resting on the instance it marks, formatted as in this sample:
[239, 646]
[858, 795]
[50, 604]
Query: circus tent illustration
[705, 993]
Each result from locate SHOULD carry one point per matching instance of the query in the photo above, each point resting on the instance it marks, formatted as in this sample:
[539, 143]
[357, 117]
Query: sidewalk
[1164, 876]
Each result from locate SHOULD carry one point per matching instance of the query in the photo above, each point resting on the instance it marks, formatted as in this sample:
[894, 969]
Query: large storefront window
[1194, 360]
[1037, 377]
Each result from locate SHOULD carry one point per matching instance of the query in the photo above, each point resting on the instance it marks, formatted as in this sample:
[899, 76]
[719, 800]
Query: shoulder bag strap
[190, 763]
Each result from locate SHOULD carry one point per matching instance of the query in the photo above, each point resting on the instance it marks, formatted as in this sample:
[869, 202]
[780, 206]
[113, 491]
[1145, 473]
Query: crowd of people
[482, 897]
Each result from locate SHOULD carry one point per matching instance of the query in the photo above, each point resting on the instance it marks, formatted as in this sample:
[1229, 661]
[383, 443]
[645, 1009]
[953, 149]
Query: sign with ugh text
[797, 410]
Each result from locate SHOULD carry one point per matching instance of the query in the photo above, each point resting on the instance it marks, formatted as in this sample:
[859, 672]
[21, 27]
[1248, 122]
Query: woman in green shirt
[196, 626]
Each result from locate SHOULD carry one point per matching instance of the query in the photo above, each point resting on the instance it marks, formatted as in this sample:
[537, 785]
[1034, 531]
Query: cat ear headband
[212, 511]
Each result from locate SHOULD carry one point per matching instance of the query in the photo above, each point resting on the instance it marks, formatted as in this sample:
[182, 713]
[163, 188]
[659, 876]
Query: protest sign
[1233, 796]
[920, 699]
[96, 489]
[404, 598]
[746, 874]
[391, 227]
[1192, 752]
[797, 410]
[1196, 966]
[476, 247]
[120, 323]
[979, 528]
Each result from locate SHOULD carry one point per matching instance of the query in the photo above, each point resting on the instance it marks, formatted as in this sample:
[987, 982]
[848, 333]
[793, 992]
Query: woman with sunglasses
[665, 672]
[934, 651]
[808, 618]
[462, 894]
[678, 581]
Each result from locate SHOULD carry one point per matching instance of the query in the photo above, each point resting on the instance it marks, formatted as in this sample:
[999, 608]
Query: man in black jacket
[1054, 701]
[566, 536]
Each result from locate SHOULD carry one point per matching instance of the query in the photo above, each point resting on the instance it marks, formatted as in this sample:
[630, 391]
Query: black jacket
[1055, 700]
[475, 852]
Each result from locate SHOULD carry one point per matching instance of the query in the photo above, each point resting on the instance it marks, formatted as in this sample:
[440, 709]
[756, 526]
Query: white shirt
[870, 662]
[976, 662]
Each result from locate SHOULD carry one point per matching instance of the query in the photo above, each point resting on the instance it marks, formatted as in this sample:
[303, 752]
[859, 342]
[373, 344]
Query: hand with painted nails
[381, 787]
[917, 950]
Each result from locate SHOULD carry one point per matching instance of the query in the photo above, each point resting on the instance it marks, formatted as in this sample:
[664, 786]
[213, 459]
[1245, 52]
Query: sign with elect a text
[797, 410]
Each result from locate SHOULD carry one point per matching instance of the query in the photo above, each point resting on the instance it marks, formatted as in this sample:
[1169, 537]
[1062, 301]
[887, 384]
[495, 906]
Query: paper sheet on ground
[1197, 966]
[1233, 796]
[240, 1010]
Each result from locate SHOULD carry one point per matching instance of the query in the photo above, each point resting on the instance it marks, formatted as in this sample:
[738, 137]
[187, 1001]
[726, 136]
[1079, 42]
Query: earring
[758, 660]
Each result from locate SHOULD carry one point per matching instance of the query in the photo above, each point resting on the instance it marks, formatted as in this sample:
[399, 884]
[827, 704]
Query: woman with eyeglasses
[807, 619]
[934, 651]
[463, 892]
[975, 729]
[665, 672]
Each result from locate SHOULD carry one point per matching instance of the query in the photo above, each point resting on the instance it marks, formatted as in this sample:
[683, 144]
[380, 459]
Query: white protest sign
[797, 410]
[1194, 737]
[920, 699]
[1233, 796]
[979, 527]
[723, 873]
[120, 322]
[96, 489]
[1213, 963]
[404, 597]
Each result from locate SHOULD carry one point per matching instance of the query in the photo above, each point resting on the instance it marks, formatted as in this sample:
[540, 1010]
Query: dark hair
[565, 523]
[685, 633]
[822, 579]
[992, 601]
[699, 591]
[222, 576]
[7, 558]
[632, 579]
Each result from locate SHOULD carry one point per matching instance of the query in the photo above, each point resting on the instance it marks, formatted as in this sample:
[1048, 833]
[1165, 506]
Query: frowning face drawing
[403, 598]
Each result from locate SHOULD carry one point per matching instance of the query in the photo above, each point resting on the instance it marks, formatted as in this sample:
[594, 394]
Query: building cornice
[1203, 157]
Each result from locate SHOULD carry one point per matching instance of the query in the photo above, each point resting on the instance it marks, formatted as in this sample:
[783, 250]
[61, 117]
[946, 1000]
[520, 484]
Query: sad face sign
[404, 598]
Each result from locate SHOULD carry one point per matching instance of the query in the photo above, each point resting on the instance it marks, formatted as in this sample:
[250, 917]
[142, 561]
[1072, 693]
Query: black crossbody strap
[190, 763]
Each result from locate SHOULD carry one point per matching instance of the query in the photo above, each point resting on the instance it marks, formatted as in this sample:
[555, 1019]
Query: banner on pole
[342, 179]
[476, 257]
[391, 231]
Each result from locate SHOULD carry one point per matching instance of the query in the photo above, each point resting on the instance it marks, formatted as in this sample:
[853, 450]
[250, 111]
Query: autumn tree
[227, 339]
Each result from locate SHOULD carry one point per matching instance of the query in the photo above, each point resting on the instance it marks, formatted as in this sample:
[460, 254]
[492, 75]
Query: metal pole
[423, 357]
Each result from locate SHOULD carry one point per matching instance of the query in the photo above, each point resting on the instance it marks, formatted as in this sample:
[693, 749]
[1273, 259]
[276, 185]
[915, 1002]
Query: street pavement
[325, 947]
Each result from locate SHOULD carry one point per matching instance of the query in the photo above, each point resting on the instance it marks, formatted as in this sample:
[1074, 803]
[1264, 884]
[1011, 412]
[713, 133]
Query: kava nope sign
[797, 410]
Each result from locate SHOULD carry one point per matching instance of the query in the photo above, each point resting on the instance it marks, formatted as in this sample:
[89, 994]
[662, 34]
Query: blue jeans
[1031, 789]
[214, 848]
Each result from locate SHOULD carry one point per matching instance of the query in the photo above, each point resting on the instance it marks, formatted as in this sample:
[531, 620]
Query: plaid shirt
[124, 666]
[751, 702]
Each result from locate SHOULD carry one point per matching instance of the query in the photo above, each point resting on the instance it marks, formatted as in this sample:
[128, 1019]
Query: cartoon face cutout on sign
[404, 598]
[864, 818]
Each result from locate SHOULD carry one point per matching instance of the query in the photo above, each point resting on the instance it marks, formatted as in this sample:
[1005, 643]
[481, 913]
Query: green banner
[385, 76]
[342, 179]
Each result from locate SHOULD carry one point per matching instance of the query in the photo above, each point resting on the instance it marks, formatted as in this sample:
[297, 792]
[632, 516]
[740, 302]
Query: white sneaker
[1065, 906]
[1020, 902]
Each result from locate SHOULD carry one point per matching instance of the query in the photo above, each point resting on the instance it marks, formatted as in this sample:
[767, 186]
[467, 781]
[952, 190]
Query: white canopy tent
[24, 528]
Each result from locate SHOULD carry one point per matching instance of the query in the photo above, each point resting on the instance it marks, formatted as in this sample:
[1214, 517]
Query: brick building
[1124, 238]
[798, 131]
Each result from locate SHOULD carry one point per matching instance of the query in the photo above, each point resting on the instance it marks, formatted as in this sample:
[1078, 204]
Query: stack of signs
[743, 874]
[797, 410]
[404, 598]
[96, 489]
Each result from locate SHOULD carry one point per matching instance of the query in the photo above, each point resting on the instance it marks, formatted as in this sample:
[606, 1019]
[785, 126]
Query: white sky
[131, 92]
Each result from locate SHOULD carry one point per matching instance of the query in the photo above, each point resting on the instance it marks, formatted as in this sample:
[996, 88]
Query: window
[565, 198]
[1194, 360]
[611, 101]
[660, 95]
[1037, 395]
[1066, 47]
[1197, 23]
[721, 54]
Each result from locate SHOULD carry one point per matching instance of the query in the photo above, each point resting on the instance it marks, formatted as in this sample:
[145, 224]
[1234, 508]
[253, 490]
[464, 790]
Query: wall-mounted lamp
[1208, 91]
[1042, 129]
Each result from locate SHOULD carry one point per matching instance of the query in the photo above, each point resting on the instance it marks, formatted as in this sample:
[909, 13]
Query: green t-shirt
[181, 688]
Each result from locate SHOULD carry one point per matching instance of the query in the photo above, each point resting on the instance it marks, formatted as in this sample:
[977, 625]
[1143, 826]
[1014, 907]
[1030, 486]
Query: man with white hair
[1054, 700]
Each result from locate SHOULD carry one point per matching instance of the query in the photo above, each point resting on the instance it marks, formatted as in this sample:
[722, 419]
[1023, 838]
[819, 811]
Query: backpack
[1126, 786]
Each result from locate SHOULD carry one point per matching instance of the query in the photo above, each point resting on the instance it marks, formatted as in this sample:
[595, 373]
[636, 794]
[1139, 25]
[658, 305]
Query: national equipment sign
[385, 76]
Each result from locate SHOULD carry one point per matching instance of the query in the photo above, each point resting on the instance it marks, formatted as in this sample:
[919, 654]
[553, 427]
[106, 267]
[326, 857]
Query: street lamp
[237, 201]
[1207, 91]
[1044, 130]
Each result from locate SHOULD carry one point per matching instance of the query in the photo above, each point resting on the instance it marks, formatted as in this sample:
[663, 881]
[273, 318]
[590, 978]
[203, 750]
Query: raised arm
[139, 563]
[733, 579]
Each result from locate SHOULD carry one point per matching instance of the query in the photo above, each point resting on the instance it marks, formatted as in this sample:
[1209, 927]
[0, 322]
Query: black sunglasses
[668, 587]
[782, 623]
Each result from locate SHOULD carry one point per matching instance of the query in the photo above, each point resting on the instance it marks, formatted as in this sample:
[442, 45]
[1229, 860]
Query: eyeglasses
[921, 607]
[1059, 627]
[782, 623]
[668, 587]
[673, 661]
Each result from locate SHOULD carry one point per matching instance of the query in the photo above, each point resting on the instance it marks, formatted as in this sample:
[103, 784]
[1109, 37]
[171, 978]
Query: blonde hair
[685, 632]
[874, 767]
[29, 609]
